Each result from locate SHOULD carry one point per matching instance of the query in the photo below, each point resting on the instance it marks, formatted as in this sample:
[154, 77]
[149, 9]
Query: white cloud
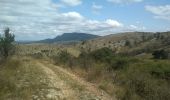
[161, 12]
[72, 16]
[37, 19]
[168, 29]
[134, 28]
[96, 8]
[124, 1]
[72, 2]
[113, 23]
[26, 17]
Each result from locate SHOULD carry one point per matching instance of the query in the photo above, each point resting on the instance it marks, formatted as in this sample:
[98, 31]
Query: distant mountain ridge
[69, 37]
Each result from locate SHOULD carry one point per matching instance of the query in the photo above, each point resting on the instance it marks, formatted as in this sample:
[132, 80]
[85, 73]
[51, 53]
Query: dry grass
[44, 50]
[73, 51]
[20, 79]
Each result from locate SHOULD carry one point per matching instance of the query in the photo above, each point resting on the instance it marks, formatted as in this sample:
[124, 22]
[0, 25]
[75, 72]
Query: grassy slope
[20, 79]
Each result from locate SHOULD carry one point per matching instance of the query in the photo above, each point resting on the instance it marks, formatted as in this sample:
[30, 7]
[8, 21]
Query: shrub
[104, 54]
[84, 60]
[64, 58]
[140, 82]
[160, 70]
[160, 54]
[119, 63]
[37, 55]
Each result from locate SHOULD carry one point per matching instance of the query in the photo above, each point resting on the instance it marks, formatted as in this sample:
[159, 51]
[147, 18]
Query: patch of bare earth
[58, 89]
[67, 86]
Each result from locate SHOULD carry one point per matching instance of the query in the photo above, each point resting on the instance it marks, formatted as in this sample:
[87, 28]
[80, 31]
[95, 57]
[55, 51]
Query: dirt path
[66, 86]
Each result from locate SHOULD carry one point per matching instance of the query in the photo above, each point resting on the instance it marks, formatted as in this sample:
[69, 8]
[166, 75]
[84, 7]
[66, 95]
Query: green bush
[119, 63]
[64, 58]
[104, 54]
[85, 61]
[160, 70]
[160, 54]
[139, 80]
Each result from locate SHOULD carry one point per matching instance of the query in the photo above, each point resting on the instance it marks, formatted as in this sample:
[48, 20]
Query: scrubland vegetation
[127, 77]
[138, 74]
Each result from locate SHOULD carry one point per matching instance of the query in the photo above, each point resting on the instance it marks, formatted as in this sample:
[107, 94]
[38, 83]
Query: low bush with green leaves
[160, 54]
[103, 54]
[145, 80]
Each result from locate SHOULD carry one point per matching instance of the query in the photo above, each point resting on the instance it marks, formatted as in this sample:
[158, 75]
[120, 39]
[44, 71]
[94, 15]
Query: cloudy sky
[40, 19]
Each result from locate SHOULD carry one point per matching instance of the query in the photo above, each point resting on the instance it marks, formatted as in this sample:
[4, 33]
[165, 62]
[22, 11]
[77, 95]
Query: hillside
[128, 42]
[117, 66]
[69, 37]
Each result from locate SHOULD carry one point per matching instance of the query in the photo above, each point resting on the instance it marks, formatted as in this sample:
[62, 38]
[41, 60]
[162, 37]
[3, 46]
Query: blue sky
[40, 19]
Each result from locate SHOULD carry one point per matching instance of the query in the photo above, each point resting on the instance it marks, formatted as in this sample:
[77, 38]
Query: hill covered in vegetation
[125, 66]
[130, 42]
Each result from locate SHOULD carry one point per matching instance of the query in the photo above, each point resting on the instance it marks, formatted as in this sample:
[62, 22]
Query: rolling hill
[129, 42]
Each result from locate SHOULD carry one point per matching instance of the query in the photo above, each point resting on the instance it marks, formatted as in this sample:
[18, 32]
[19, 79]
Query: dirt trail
[58, 89]
[66, 86]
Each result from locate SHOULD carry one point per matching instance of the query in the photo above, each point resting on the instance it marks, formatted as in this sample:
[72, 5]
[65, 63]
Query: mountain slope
[70, 37]
[123, 42]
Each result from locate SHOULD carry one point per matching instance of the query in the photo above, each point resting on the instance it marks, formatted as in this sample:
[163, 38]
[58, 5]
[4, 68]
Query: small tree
[6, 41]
